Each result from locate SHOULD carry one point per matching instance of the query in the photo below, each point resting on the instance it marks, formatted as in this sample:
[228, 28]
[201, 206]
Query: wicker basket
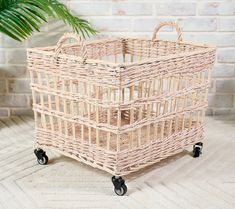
[120, 104]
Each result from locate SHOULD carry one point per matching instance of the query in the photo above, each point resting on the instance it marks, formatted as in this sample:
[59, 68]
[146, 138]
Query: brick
[1, 72]
[65, 2]
[226, 24]
[208, 8]
[4, 112]
[127, 8]
[19, 86]
[223, 71]
[13, 101]
[13, 71]
[2, 56]
[22, 111]
[45, 39]
[2, 86]
[219, 40]
[220, 100]
[212, 86]
[224, 111]
[225, 40]
[148, 24]
[226, 55]
[11, 43]
[52, 27]
[117, 24]
[1, 39]
[225, 86]
[16, 56]
[207, 38]
[197, 24]
[209, 112]
[226, 7]
[84, 9]
[178, 9]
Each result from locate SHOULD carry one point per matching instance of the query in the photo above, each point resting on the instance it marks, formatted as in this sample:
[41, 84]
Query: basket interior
[127, 50]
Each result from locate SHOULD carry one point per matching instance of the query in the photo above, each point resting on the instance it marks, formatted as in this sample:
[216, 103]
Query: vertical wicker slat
[120, 104]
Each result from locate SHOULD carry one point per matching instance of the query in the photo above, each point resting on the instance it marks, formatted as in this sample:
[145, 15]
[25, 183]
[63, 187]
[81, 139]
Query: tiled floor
[180, 182]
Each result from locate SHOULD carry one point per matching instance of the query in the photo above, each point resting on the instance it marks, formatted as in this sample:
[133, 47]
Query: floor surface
[180, 182]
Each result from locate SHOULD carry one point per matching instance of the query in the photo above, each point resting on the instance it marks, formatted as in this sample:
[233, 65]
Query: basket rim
[49, 51]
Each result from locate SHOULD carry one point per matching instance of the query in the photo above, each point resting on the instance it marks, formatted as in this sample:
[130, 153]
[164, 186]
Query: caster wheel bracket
[118, 182]
[41, 156]
[197, 149]
[39, 153]
[119, 185]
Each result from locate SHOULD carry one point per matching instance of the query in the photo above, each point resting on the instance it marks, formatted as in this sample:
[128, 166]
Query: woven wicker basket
[120, 104]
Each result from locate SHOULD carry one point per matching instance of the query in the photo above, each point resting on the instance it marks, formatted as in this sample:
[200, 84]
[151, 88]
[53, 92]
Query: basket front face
[119, 119]
[75, 105]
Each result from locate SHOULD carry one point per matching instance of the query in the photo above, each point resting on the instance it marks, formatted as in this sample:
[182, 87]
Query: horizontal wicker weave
[120, 104]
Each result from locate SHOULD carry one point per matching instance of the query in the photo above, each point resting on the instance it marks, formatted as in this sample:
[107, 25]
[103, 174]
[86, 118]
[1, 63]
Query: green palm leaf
[20, 18]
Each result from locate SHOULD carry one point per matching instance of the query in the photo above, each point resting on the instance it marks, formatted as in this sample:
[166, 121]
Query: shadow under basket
[120, 104]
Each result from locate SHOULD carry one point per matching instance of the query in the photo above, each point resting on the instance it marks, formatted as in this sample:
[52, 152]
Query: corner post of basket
[120, 70]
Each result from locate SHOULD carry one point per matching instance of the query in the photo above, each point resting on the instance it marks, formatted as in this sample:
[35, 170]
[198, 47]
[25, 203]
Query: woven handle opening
[172, 24]
[76, 37]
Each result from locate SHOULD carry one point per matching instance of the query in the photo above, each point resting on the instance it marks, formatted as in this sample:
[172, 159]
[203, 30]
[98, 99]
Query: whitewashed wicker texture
[108, 114]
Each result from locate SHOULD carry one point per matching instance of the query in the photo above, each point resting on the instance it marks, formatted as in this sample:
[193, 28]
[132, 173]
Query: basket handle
[172, 24]
[68, 36]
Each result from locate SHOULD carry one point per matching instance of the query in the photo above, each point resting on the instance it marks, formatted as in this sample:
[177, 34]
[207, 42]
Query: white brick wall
[206, 21]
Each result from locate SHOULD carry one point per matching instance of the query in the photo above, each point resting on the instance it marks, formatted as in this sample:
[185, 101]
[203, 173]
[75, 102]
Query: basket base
[123, 162]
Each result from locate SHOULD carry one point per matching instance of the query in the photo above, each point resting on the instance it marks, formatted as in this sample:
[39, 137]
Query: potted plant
[20, 18]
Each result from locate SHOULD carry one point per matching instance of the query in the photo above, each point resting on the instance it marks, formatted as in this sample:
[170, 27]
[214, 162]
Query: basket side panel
[163, 105]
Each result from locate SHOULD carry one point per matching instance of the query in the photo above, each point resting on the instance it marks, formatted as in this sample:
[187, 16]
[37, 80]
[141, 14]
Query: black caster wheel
[197, 149]
[119, 185]
[41, 156]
